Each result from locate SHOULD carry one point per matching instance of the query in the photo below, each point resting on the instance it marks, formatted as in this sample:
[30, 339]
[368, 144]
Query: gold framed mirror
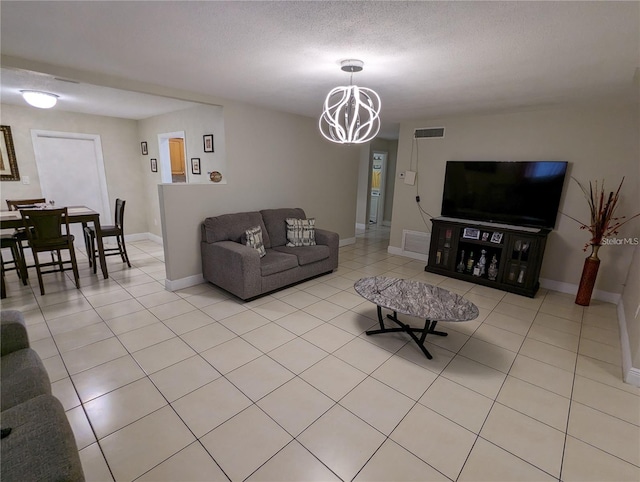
[8, 164]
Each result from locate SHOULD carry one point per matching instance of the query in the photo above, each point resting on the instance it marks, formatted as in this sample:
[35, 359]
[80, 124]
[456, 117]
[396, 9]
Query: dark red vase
[588, 278]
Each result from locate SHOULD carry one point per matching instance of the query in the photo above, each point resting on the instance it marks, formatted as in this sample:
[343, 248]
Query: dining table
[77, 214]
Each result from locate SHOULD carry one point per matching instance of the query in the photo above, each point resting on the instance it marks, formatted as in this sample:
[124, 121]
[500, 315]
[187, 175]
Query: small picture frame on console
[471, 233]
[496, 238]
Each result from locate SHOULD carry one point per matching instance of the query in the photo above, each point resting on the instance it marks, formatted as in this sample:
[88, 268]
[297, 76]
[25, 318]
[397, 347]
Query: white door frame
[97, 145]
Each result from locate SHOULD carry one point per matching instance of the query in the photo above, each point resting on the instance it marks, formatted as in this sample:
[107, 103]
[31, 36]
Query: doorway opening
[176, 155]
[376, 193]
[172, 163]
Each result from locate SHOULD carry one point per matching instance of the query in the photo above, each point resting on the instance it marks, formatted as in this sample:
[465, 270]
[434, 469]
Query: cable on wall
[420, 208]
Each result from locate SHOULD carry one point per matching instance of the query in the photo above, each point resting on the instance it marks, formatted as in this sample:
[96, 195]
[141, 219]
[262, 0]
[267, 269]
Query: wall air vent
[415, 244]
[431, 132]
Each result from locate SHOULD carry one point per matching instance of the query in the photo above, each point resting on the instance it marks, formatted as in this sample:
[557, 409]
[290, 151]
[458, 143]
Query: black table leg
[429, 327]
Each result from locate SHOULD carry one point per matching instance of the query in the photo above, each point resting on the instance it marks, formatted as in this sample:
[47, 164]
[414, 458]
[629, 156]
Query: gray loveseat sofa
[37, 441]
[239, 269]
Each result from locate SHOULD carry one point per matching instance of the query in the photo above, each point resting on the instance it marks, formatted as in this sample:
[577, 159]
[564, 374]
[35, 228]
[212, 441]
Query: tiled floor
[196, 385]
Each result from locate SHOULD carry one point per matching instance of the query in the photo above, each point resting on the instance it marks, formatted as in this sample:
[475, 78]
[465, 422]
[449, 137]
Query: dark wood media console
[500, 256]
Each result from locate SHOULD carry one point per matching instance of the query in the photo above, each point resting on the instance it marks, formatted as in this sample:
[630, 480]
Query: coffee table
[414, 298]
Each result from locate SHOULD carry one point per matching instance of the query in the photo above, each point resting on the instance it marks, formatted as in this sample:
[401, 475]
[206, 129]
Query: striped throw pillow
[301, 232]
[253, 239]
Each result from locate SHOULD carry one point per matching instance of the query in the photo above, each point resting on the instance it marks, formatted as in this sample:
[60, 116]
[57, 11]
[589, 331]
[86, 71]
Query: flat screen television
[518, 193]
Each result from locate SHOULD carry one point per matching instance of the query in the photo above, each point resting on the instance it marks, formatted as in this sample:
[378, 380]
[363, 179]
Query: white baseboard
[129, 238]
[407, 254]
[361, 228]
[630, 374]
[154, 237]
[179, 284]
[632, 377]
[395, 251]
[572, 289]
[143, 237]
[347, 242]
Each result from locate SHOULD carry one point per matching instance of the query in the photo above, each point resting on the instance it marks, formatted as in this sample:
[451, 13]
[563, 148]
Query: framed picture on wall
[195, 165]
[154, 165]
[8, 163]
[143, 147]
[208, 142]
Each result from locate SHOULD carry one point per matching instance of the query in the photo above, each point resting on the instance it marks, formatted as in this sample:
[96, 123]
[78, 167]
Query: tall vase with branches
[603, 223]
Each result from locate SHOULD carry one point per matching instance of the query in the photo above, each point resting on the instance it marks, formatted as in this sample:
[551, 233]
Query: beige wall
[271, 159]
[120, 148]
[194, 122]
[598, 141]
[269, 152]
[274, 160]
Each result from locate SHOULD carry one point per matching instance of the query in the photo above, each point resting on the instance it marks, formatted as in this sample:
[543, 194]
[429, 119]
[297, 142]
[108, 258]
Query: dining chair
[116, 230]
[20, 234]
[3, 286]
[45, 233]
[9, 241]
[17, 204]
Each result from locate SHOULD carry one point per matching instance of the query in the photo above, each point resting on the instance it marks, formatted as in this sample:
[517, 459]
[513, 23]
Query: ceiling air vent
[431, 132]
[67, 80]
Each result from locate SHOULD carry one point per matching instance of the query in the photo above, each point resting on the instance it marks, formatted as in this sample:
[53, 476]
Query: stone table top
[415, 298]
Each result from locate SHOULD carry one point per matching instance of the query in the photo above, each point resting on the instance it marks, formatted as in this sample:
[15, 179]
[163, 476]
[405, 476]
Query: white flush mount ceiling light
[351, 114]
[42, 100]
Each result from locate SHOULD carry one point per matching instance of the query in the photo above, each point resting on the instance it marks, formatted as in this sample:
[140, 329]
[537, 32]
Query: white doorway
[71, 171]
[376, 192]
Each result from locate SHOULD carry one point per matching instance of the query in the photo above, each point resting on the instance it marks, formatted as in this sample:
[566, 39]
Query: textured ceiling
[424, 58]
[86, 98]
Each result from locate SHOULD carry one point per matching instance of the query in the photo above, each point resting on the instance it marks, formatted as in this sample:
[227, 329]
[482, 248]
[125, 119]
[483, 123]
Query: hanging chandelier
[351, 114]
